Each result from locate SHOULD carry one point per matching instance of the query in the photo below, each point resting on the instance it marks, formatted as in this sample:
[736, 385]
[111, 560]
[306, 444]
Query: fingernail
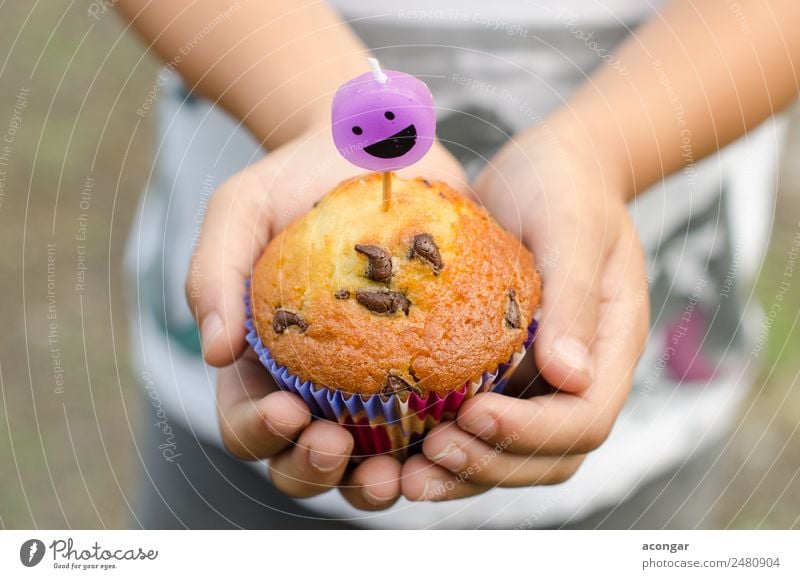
[575, 354]
[434, 490]
[210, 329]
[484, 426]
[325, 461]
[451, 457]
[374, 499]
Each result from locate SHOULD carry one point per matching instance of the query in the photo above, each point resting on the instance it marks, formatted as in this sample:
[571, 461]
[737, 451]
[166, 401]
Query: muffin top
[422, 297]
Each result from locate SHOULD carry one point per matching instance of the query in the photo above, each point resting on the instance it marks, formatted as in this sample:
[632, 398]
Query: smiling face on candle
[383, 126]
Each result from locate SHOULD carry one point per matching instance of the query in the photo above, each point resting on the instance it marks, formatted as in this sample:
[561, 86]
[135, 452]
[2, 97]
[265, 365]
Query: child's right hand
[257, 420]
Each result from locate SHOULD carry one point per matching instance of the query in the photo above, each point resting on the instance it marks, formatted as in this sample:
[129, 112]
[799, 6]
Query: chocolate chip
[380, 262]
[342, 294]
[283, 319]
[426, 249]
[396, 385]
[383, 301]
[513, 317]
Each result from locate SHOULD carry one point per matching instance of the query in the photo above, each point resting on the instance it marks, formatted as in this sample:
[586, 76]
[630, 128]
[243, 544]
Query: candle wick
[379, 75]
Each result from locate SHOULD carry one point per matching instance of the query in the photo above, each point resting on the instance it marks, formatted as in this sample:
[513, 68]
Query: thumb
[571, 268]
[234, 232]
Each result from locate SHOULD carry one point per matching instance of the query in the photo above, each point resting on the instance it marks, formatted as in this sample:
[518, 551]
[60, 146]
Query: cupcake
[385, 321]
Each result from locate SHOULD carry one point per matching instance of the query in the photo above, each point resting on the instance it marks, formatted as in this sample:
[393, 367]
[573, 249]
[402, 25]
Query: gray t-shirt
[495, 69]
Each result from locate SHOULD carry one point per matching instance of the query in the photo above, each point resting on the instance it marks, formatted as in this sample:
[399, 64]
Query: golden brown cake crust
[313, 294]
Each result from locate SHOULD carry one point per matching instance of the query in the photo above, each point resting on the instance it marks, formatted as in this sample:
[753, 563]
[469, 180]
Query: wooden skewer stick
[387, 190]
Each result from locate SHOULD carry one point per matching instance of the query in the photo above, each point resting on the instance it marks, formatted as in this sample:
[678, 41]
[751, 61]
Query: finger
[624, 304]
[235, 230]
[255, 420]
[479, 463]
[553, 424]
[423, 480]
[316, 463]
[570, 259]
[374, 484]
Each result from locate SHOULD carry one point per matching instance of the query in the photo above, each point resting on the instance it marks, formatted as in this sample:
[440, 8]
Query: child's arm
[274, 65]
[699, 74]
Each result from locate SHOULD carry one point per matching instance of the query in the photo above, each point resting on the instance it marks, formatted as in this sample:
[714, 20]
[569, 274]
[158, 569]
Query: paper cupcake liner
[379, 423]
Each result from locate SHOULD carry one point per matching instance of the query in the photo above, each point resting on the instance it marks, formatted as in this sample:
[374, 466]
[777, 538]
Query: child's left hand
[569, 209]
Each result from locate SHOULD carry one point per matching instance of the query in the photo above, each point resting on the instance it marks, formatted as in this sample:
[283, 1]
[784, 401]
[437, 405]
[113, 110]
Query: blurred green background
[70, 84]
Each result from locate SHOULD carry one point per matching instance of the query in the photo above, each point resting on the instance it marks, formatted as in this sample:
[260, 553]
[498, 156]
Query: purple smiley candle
[383, 120]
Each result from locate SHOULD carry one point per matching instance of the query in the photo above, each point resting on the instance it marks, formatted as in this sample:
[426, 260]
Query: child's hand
[594, 322]
[256, 419]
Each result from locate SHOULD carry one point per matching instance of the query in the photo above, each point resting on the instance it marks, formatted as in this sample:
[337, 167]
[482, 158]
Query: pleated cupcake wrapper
[379, 423]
